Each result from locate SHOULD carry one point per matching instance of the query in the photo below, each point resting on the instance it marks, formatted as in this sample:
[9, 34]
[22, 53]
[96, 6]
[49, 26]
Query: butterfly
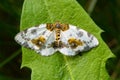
[48, 38]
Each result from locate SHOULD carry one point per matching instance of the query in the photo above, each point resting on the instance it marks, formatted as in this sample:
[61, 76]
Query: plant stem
[10, 58]
[91, 6]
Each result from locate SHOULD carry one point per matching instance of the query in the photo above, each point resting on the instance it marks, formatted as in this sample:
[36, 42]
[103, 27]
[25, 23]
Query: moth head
[57, 25]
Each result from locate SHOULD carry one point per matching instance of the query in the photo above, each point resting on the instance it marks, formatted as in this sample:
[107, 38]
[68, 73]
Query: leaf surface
[89, 66]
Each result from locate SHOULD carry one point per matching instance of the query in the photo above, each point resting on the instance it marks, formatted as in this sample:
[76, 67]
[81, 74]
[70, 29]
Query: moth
[48, 38]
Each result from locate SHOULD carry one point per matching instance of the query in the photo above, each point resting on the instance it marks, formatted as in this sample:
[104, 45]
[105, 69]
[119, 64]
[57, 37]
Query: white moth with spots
[48, 38]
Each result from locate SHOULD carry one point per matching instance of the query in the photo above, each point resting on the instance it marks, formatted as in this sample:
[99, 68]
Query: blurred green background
[105, 13]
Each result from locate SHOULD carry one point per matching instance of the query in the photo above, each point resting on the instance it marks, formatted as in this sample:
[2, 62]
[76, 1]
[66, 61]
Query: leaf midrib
[68, 67]
[64, 57]
[48, 10]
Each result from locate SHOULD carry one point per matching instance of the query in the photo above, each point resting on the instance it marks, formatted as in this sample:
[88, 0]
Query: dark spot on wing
[86, 48]
[43, 47]
[88, 34]
[33, 31]
[80, 33]
[55, 45]
[25, 44]
[18, 42]
[59, 45]
[70, 34]
[24, 36]
[25, 31]
[62, 45]
[43, 33]
[92, 38]
[77, 51]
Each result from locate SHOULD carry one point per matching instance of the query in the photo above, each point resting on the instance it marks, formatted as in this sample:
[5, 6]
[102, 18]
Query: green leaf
[89, 66]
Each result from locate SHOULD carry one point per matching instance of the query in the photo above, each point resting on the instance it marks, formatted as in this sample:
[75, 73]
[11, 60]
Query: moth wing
[25, 38]
[66, 49]
[89, 41]
[47, 49]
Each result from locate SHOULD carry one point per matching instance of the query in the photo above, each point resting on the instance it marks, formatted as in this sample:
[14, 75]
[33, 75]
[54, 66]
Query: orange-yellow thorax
[57, 27]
